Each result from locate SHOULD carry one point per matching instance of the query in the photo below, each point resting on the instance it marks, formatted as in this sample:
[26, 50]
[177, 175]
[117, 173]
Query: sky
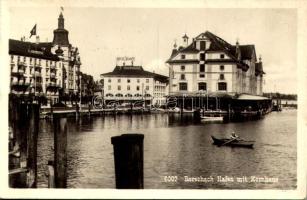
[148, 34]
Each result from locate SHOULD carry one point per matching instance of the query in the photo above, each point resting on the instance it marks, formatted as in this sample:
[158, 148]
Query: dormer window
[222, 56]
[182, 56]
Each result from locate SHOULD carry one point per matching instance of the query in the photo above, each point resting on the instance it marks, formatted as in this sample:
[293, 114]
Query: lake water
[175, 146]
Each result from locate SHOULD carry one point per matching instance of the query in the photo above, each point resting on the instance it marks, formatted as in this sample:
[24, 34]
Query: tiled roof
[29, 49]
[189, 49]
[218, 44]
[134, 71]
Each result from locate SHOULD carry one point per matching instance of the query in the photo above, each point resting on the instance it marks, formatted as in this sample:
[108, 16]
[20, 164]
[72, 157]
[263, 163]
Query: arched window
[222, 77]
[147, 95]
[183, 86]
[109, 95]
[128, 95]
[202, 86]
[137, 95]
[119, 95]
[222, 86]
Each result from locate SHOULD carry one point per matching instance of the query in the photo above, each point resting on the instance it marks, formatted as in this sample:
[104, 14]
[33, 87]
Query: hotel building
[129, 83]
[211, 65]
[45, 68]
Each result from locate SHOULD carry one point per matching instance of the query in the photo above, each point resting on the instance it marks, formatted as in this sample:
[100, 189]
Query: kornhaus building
[129, 83]
[211, 65]
[45, 68]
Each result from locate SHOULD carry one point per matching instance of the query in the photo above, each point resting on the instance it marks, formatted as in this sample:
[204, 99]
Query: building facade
[211, 65]
[35, 70]
[45, 68]
[128, 83]
[70, 58]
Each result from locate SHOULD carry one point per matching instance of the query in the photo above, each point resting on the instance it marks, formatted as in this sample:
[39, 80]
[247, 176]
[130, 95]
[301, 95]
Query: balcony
[21, 70]
[38, 66]
[52, 66]
[36, 74]
[20, 63]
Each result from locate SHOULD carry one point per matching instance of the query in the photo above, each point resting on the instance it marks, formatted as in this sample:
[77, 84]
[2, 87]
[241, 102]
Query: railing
[37, 74]
[52, 66]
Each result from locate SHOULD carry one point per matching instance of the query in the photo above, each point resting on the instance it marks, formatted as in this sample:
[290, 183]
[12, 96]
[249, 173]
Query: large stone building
[45, 68]
[129, 83]
[69, 56]
[211, 65]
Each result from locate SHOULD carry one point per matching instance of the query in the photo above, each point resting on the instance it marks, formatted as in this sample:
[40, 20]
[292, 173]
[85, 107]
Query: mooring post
[51, 181]
[128, 161]
[22, 141]
[33, 111]
[89, 109]
[60, 151]
[51, 111]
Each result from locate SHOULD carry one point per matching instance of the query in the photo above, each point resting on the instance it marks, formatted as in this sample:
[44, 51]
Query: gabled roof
[134, 71]
[189, 49]
[29, 49]
[218, 44]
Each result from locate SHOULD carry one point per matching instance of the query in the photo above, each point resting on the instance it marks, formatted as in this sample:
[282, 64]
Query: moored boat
[235, 143]
[211, 119]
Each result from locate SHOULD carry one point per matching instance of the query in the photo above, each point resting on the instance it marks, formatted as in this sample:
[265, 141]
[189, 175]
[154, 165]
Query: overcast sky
[148, 34]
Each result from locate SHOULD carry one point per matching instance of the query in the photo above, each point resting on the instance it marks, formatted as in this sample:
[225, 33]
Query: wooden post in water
[60, 151]
[24, 120]
[128, 161]
[89, 109]
[33, 116]
[51, 111]
[51, 181]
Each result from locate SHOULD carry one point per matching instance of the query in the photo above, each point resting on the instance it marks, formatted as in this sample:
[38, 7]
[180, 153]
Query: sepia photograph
[165, 97]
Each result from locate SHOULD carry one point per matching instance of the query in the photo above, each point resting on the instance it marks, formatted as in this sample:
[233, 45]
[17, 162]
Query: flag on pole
[62, 8]
[33, 31]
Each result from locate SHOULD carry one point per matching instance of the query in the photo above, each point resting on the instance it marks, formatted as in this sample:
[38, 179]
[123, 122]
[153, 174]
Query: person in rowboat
[234, 136]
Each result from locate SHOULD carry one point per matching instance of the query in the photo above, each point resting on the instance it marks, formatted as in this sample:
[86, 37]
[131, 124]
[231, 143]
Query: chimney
[131, 62]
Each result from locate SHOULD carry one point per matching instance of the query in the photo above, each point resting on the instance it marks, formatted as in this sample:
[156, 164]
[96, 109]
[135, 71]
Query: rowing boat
[234, 143]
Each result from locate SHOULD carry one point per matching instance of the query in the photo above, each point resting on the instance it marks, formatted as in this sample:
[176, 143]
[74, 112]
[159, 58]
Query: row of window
[127, 95]
[201, 67]
[222, 86]
[36, 60]
[202, 56]
[182, 76]
[128, 87]
[128, 80]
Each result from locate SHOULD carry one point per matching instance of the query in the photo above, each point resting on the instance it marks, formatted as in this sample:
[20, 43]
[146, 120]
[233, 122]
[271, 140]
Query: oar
[228, 141]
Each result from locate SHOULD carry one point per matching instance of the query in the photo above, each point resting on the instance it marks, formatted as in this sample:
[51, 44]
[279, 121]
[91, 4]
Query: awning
[251, 97]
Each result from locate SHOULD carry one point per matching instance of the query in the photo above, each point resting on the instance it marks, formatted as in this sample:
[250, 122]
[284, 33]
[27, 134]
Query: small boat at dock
[211, 119]
[233, 143]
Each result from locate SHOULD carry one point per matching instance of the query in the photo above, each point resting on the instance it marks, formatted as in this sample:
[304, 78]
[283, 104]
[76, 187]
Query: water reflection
[175, 145]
